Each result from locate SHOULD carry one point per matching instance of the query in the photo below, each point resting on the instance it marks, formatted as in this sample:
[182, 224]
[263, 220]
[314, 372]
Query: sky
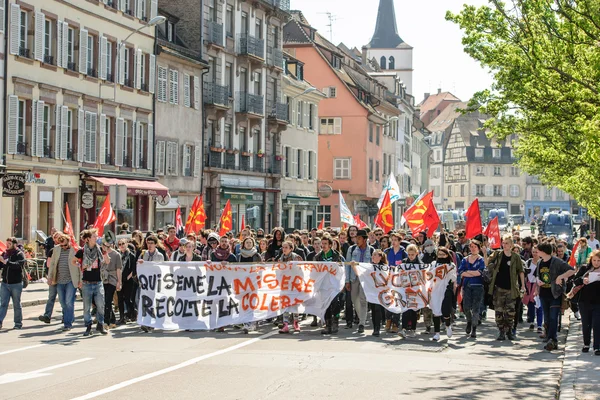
[438, 57]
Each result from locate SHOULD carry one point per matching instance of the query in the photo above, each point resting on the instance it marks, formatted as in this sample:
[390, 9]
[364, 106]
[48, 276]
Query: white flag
[393, 188]
[345, 214]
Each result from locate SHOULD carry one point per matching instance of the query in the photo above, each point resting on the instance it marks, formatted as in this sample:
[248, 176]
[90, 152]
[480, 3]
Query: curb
[30, 303]
[570, 363]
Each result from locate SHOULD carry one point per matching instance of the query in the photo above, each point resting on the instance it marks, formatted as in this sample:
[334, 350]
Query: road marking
[22, 349]
[39, 373]
[173, 368]
[53, 341]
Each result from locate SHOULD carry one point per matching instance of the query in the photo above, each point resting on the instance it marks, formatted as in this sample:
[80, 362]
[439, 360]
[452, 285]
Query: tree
[545, 59]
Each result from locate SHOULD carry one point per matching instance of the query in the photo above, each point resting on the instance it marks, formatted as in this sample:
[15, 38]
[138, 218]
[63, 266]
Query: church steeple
[386, 32]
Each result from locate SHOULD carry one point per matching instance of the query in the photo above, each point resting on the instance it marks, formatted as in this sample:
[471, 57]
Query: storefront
[257, 206]
[538, 208]
[299, 212]
[486, 206]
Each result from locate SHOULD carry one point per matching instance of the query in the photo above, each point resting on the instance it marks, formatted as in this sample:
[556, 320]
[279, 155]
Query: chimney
[426, 96]
[364, 56]
[439, 90]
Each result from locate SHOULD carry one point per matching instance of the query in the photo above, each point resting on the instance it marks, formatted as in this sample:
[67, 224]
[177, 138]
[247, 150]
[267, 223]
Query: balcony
[215, 34]
[214, 159]
[250, 46]
[275, 166]
[24, 52]
[230, 160]
[48, 60]
[245, 163]
[275, 58]
[259, 163]
[250, 103]
[281, 4]
[278, 112]
[216, 95]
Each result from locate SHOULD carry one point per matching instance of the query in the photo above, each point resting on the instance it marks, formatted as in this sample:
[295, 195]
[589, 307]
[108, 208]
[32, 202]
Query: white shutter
[58, 132]
[504, 190]
[34, 125]
[294, 171]
[93, 135]
[173, 86]
[2, 17]
[15, 29]
[39, 35]
[138, 68]
[138, 8]
[59, 47]
[293, 111]
[103, 143]
[122, 5]
[337, 126]
[64, 128]
[39, 145]
[473, 190]
[13, 123]
[88, 130]
[316, 119]
[150, 140]
[119, 143]
[65, 45]
[306, 165]
[314, 166]
[175, 158]
[80, 135]
[197, 160]
[186, 90]
[153, 9]
[103, 58]
[489, 190]
[152, 73]
[122, 65]
[83, 38]
[160, 157]
[197, 94]
[306, 114]
[183, 161]
[169, 159]
[138, 145]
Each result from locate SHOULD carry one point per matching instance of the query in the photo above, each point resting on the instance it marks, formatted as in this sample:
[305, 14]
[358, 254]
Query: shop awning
[134, 187]
[303, 201]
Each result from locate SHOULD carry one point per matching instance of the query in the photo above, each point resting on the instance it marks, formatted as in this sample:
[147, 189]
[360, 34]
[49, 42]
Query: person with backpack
[534, 310]
[11, 264]
[361, 253]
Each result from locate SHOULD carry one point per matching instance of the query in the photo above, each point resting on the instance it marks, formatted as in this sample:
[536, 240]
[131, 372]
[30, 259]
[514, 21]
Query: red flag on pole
[473, 223]
[572, 259]
[191, 216]
[431, 219]
[226, 222]
[384, 218]
[243, 223]
[178, 223]
[492, 231]
[69, 228]
[106, 216]
[359, 222]
[415, 215]
[322, 224]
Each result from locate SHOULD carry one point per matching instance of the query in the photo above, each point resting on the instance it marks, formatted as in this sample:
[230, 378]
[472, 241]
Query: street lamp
[307, 91]
[159, 19]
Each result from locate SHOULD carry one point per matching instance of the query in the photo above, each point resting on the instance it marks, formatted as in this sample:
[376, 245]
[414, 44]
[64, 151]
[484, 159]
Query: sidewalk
[581, 371]
[35, 294]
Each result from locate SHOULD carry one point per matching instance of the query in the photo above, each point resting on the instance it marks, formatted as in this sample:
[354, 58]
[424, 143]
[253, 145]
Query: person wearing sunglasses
[66, 277]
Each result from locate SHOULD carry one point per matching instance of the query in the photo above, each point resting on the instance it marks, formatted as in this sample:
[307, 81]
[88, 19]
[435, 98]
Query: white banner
[200, 295]
[406, 286]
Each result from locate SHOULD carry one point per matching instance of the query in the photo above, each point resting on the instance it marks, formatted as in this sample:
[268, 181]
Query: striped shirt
[64, 274]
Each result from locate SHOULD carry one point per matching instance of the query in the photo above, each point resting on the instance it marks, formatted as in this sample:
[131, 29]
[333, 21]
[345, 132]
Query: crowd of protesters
[527, 280]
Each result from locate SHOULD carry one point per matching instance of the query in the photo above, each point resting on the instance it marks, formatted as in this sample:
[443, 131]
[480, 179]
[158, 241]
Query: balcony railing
[249, 45]
[92, 72]
[250, 103]
[48, 60]
[259, 163]
[245, 163]
[24, 52]
[216, 94]
[72, 66]
[275, 166]
[275, 57]
[215, 33]
[110, 77]
[281, 4]
[278, 111]
[22, 148]
[214, 159]
[47, 152]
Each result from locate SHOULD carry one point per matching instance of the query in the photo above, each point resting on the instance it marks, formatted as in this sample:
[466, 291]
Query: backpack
[24, 276]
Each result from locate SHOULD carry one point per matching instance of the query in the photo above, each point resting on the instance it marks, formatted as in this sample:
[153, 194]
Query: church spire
[386, 31]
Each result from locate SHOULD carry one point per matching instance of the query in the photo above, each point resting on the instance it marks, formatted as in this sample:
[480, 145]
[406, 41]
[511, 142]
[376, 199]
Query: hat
[428, 242]
[183, 241]
[362, 233]
[214, 236]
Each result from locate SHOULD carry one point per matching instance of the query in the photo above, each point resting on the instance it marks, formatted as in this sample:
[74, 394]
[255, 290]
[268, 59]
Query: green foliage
[545, 59]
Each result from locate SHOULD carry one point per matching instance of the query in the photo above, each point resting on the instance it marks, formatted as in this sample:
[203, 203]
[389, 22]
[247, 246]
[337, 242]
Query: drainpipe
[4, 95]
[206, 71]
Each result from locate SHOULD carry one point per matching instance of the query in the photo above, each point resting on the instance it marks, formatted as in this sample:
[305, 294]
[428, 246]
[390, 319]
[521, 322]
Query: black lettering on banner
[225, 310]
[211, 291]
[206, 311]
[169, 283]
[224, 286]
[143, 282]
[188, 282]
[147, 308]
[160, 306]
[170, 306]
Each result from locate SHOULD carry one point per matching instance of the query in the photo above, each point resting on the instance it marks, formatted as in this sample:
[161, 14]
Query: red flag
[431, 219]
[473, 217]
[106, 216]
[178, 223]
[572, 259]
[191, 216]
[200, 217]
[359, 222]
[243, 223]
[415, 215]
[69, 228]
[322, 224]
[2, 246]
[492, 231]
[385, 218]
[226, 222]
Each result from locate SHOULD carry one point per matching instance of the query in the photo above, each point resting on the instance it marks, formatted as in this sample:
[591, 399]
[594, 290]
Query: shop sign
[87, 200]
[31, 177]
[13, 185]
[489, 205]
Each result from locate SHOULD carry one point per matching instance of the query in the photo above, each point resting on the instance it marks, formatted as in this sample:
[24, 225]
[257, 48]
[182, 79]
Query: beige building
[178, 120]
[66, 130]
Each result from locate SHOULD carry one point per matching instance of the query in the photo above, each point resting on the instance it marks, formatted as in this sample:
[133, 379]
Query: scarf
[248, 253]
[291, 257]
[221, 253]
[90, 255]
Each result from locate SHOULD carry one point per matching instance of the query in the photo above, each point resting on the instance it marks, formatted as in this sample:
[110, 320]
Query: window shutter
[80, 135]
[337, 126]
[138, 8]
[184, 160]
[293, 112]
[39, 36]
[169, 159]
[316, 119]
[306, 112]
[13, 123]
[139, 145]
[34, 128]
[103, 143]
[150, 153]
[152, 73]
[175, 149]
[160, 157]
[103, 60]
[2, 17]
[173, 86]
[15, 30]
[122, 65]
[504, 189]
[153, 9]
[122, 5]
[58, 132]
[197, 160]
[83, 34]
[119, 143]
[186, 90]
[93, 133]
[135, 151]
[40, 130]
[295, 160]
[197, 94]
[489, 190]
[138, 68]
[65, 44]
[59, 48]
[285, 161]
[64, 128]
[314, 166]
[306, 165]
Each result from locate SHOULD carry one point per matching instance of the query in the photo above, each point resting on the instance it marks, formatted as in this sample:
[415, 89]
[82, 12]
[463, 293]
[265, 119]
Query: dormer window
[336, 62]
[300, 72]
[170, 30]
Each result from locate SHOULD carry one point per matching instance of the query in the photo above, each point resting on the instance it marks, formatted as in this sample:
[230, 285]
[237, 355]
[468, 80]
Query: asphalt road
[39, 361]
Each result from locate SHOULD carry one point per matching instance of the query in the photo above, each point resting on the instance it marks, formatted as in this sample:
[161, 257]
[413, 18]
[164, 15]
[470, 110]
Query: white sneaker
[449, 331]
[402, 333]
[578, 316]
[411, 333]
[436, 337]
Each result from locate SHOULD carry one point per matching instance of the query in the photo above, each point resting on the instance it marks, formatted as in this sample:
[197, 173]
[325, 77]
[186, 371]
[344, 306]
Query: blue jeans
[93, 291]
[66, 296]
[11, 291]
[472, 301]
[551, 307]
[51, 299]
[533, 313]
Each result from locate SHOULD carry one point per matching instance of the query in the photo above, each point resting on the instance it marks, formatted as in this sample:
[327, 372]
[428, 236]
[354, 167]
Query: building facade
[540, 199]
[80, 112]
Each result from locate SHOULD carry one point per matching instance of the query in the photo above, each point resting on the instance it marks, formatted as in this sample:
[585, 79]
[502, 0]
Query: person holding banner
[190, 253]
[332, 315]
[212, 242]
[288, 255]
[442, 296]
[223, 252]
[275, 246]
[394, 255]
[361, 252]
[409, 317]
[470, 271]
[377, 258]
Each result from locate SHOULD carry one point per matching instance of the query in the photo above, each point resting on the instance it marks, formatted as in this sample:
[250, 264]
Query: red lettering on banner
[247, 286]
[252, 301]
[271, 281]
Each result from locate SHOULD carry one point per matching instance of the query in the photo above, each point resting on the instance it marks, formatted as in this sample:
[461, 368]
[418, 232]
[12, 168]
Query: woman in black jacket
[248, 252]
[190, 253]
[127, 293]
[11, 263]
[274, 249]
[589, 301]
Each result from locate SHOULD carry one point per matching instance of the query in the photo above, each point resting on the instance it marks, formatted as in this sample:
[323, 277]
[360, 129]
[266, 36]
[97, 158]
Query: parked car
[559, 224]
[516, 219]
[577, 219]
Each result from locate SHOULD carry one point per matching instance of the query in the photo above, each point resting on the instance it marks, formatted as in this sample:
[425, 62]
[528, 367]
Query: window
[124, 143]
[229, 78]
[370, 169]
[23, 39]
[332, 92]
[46, 132]
[462, 190]
[162, 85]
[560, 195]
[259, 29]
[377, 134]
[143, 72]
[90, 55]
[299, 163]
[496, 153]
[384, 164]
[514, 190]
[229, 21]
[342, 168]
[376, 171]
[256, 140]
[228, 137]
[109, 67]
[287, 160]
[48, 42]
[299, 118]
[512, 153]
[172, 158]
[449, 191]
[480, 190]
[243, 139]
[497, 190]
[535, 193]
[391, 63]
[18, 215]
[106, 131]
[187, 160]
[370, 132]
[126, 67]
[514, 171]
[324, 213]
[382, 62]
[311, 117]
[71, 50]
[22, 128]
[312, 160]
[170, 31]
[548, 193]
[69, 139]
[478, 153]
[174, 86]
[480, 170]
[331, 126]
[497, 171]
